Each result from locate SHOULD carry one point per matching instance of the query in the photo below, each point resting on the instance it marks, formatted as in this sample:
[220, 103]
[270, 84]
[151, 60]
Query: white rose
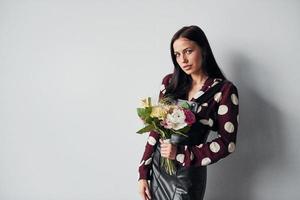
[176, 119]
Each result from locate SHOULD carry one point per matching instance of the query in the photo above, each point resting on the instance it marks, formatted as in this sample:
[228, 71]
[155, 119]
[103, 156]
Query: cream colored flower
[176, 119]
[159, 112]
[146, 102]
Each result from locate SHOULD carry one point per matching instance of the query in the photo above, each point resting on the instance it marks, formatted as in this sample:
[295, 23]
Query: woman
[196, 78]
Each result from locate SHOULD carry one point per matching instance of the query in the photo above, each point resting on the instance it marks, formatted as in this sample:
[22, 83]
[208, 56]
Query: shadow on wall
[260, 141]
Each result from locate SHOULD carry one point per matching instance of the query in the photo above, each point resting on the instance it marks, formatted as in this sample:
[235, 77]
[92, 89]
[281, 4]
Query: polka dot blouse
[220, 114]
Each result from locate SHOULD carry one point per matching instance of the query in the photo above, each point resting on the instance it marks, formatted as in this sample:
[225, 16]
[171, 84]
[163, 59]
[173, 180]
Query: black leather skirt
[186, 184]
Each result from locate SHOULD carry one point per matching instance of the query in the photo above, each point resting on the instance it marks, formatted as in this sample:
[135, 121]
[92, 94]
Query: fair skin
[189, 58]
[144, 189]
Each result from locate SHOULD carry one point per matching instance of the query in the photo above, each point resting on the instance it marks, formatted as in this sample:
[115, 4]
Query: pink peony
[189, 117]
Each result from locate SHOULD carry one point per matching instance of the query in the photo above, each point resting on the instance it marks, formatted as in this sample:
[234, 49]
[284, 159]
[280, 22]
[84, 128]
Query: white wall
[72, 74]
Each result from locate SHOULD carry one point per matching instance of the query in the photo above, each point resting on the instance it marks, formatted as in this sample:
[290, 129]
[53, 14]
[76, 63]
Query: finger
[163, 154]
[167, 141]
[161, 141]
[165, 150]
[148, 193]
[143, 194]
[142, 191]
[166, 145]
[144, 197]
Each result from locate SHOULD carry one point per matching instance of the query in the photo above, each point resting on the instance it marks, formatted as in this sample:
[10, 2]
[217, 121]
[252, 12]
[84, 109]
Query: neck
[199, 78]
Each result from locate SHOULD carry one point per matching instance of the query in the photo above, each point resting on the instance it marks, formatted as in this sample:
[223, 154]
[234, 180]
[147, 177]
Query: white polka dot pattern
[205, 161]
[180, 158]
[205, 104]
[218, 114]
[147, 162]
[198, 94]
[218, 96]
[163, 88]
[204, 121]
[214, 84]
[192, 156]
[199, 109]
[234, 99]
[141, 163]
[151, 140]
[208, 122]
[229, 127]
[231, 147]
[223, 109]
[214, 147]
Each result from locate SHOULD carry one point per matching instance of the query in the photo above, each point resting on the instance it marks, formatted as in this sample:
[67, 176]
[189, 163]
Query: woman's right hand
[144, 189]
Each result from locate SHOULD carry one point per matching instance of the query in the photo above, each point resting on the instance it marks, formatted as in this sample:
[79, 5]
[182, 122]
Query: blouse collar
[209, 82]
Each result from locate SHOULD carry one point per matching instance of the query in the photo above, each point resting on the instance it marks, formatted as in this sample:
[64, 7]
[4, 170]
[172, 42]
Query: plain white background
[73, 72]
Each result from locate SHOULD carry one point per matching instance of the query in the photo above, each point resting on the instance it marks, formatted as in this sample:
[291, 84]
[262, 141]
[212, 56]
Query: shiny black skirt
[186, 184]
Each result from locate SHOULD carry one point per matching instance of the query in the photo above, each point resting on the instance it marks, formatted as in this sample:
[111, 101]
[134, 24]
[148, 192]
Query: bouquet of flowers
[166, 118]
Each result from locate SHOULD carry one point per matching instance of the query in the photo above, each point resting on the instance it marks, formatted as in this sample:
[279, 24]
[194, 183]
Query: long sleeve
[144, 167]
[153, 139]
[227, 113]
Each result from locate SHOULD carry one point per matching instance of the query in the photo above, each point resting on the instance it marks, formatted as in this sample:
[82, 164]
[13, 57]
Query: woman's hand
[167, 149]
[144, 189]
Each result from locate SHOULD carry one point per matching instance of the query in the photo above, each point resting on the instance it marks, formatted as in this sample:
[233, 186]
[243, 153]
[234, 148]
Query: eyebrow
[182, 50]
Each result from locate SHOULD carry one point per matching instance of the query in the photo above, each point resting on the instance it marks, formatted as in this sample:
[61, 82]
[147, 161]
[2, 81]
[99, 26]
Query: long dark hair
[181, 82]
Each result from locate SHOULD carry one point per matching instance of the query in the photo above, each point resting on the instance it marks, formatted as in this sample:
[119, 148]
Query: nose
[183, 58]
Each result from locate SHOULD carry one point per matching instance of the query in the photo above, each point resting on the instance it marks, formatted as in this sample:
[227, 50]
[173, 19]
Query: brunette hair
[181, 82]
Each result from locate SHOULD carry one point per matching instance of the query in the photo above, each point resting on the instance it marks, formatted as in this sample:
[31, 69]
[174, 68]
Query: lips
[186, 66]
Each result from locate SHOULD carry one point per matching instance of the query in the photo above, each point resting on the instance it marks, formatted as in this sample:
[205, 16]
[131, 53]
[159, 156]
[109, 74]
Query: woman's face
[188, 55]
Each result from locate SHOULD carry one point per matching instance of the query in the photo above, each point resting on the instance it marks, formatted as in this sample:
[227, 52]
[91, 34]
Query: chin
[189, 72]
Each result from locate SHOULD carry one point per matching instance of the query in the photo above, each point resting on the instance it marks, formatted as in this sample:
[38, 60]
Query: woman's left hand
[167, 149]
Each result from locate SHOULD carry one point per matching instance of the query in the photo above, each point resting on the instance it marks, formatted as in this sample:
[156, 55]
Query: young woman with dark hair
[196, 79]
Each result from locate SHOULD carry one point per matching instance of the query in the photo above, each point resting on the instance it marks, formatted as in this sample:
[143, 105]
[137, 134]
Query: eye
[176, 55]
[189, 51]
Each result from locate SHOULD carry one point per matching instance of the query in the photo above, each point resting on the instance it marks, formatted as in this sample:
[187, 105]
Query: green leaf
[144, 112]
[185, 105]
[141, 112]
[180, 133]
[147, 128]
[149, 101]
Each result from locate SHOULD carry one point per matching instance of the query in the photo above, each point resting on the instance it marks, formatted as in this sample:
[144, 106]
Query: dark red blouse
[220, 114]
